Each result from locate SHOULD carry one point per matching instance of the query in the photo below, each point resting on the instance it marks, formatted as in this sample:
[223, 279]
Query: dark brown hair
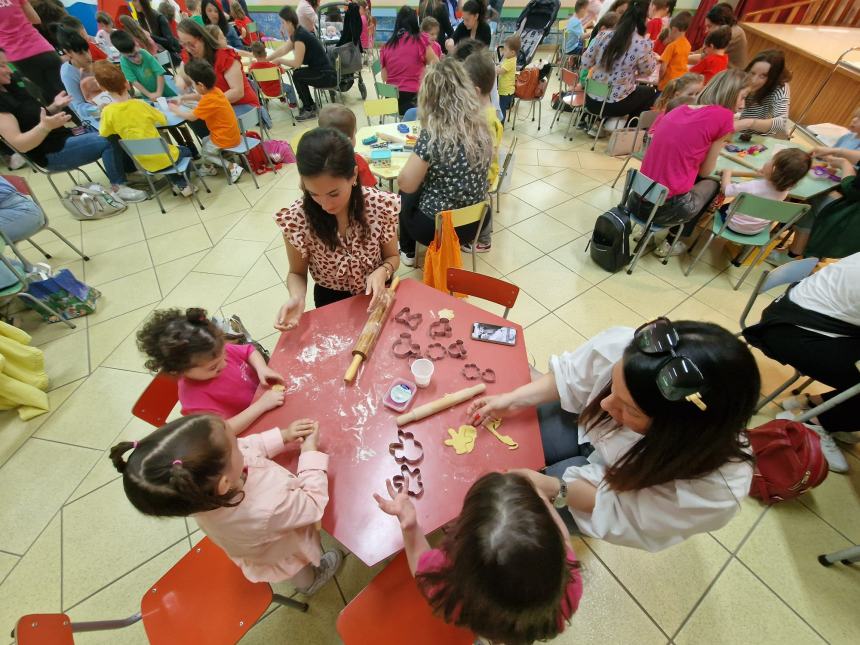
[789, 167]
[631, 21]
[174, 471]
[171, 339]
[506, 570]
[338, 117]
[109, 77]
[481, 70]
[608, 21]
[191, 28]
[258, 48]
[719, 38]
[777, 74]
[682, 21]
[683, 442]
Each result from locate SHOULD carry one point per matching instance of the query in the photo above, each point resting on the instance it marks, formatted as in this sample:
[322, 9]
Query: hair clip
[134, 445]
[696, 399]
[177, 462]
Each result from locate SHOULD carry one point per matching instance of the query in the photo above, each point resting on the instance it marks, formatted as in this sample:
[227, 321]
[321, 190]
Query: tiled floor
[70, 541]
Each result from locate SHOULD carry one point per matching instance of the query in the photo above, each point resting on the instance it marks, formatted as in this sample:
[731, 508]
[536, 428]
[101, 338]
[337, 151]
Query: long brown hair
[683, 442]
[777, 75]
[190, 27]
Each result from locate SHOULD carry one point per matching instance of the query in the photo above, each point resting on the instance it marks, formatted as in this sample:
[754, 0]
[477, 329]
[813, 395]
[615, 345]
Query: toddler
[574, 31]
[341, 118]
[778, 176]
[214, 376]
[715, 59]
[505, 571]
[102, 37]
[689, 84]
[271, 88]
[430, 26]
[366, 42]
[215, 110]
[673, 60]
[261, 514]
[507, 73]
[140, 67]
[241, 22]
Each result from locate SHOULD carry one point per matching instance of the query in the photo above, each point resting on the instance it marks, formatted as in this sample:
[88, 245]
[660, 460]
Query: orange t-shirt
[216, 111]
[675, 56]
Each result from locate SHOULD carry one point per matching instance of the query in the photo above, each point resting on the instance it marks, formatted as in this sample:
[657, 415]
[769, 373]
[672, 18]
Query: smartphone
[494, 334]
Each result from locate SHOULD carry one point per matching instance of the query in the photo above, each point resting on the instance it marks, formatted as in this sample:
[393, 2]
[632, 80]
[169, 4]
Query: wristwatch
[560, 500]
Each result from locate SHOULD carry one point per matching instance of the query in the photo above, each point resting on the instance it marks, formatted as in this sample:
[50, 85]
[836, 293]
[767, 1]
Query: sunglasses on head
[678, 377]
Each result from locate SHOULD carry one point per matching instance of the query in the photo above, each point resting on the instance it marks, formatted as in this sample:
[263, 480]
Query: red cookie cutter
[410, 320]
[406, 450]
[457, 349]
[435, 352]
[403, 347]
[441, 328]
[416, 485]
[488, 375]
[472, 372]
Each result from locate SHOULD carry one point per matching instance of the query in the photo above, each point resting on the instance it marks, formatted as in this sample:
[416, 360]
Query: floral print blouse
[637, 62]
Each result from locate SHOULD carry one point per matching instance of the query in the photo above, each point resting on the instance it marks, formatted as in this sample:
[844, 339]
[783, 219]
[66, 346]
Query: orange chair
[483, 286]
[391, 610]
[157, 400]
[204, 598]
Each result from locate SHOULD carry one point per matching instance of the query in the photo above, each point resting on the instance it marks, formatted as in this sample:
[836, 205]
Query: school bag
[789, 460]
[91, 201]
[609, 245]
[531, 82]
[256, 156]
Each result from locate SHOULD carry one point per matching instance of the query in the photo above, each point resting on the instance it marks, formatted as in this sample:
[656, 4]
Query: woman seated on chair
[448, 168]
[39, 133]
[212, 15]
[343, 233]
[309, 62]
[76, 74]
[404, 57]
[766, 108]
[474, 25]
[20, 219]
[682, 155]
[159, 29]
[437, 9]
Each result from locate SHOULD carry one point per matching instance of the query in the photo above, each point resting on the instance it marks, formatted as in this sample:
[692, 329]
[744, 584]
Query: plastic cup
[422, 370]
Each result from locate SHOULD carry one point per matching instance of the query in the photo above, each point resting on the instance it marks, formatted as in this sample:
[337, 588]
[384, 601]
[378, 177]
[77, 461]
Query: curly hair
[172, 338]
[451, 113]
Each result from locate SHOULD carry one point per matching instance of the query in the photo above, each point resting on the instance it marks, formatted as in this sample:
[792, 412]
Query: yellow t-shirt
[508, 77]
[135, 119]
[496, 131]
[675, 56]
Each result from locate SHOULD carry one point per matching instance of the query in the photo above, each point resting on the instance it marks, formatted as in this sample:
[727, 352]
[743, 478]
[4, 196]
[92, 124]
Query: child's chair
[158, 400]
[496, 187]
[381, 108]
[643, 123]
[391, 609]
[483, 286]
[463, 217]
[386, 91]
[785, 213]
[648, 192]
[268, 74]
[157, 146]
[569, 95]
[601, 91]
[248, 121]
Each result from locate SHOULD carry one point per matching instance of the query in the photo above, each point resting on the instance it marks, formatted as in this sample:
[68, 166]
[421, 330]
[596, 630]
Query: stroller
[340, 33]
[533, 25]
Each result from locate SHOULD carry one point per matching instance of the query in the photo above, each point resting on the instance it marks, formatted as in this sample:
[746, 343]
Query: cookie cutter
[441, 328]
[402, 454]
[488, 375]
[435, 352]
[404, 317]
[413, 477]
[457, 349]
[403, 347]
[471, 372]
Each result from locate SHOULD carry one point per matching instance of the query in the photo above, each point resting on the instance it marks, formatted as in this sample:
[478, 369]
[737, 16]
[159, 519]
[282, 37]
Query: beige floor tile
[673, 272]
[602, 197]
[574, 256]
[599, 161]
[96, 412]
[181, 216]
[259, 310]
[95, 558]
[685, 571]
[731, 535]
[105, 337]
[643, 292]
[206, 290]
[594, 311]
[42, 474]
[692, 309]
[315, 626]
[218, 227]
[831, 499]
[107, 238]
[541, 195]
[573, 182]
[512, 210]
[171, 274]
[740, 609]
[7, 563]
[549, 282]
[229, 199]
[577, 214]
[42, 332]
[558, 158]
[544, 232]
[231, 257]
[33, 586]
[255, 227]
[261, 276]
[278, 198]
[66, 359]
[117, 263]
[535, 171]
[527, 158]
[518, 177]
[126, 294]
[509, 252]
[549, 336]
[278, 258]
[165, 248]
[59, 251]
[783, 552]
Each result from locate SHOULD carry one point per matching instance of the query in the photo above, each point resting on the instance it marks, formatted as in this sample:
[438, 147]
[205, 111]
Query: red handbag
[789, 460]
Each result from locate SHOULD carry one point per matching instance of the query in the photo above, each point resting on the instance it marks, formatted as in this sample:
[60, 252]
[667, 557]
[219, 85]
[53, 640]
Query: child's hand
[271, 399]
[173, 107]
[400, 506]
[298, 430]
[268, 376]
[312, 439]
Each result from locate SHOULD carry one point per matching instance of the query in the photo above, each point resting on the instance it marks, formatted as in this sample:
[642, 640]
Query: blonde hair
[451, 113]
[676, 86]
[724, 89]
[236, 10]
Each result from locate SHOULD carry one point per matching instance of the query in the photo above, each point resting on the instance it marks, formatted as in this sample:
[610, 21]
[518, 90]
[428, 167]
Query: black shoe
[306, 115]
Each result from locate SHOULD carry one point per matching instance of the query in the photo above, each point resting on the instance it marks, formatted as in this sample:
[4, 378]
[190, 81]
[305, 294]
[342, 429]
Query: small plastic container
[400, 395]
[422, 370]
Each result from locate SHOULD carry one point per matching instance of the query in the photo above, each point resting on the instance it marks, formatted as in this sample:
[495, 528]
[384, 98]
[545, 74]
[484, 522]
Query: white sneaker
[329, 564]
[17, 161]
[407, 260]
[796, 403]
[664, 250]
[235, 172]
[207, 170]
[636, 232]
[835, 459]
[127, 194]
[188, 190]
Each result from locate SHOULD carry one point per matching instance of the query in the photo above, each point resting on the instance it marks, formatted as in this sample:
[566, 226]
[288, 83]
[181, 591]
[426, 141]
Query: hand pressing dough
[278, 387]
[446, 313]
[463, 439]
[492, 425]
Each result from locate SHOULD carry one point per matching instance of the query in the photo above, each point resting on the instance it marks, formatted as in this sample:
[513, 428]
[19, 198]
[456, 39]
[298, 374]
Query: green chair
[376, 69]
[643, 123]
[600, 91]
[784, 213]
[386, 91]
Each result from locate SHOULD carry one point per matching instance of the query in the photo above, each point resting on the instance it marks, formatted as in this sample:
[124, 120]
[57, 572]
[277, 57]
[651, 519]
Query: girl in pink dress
[260, 513]
[214, 376]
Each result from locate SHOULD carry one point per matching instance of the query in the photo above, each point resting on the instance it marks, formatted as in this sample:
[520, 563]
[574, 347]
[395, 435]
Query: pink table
[356, 429]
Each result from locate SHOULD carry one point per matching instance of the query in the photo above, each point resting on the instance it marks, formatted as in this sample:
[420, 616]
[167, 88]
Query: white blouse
[652, 518]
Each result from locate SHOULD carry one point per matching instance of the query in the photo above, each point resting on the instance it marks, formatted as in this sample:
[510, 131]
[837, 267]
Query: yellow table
[398, 159]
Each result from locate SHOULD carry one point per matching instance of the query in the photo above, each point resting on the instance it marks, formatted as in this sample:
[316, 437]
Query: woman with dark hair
[404, 57]
[723, 15]
[212, 15]
[474, 25]
[25, 46]
[159, 29]
[75, 70]
[438, 10]
[343, 233]
[766, 110]
[643, 431]
[620, 57]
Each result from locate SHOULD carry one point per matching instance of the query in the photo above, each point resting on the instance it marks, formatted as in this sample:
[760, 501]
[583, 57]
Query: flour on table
[324, 347]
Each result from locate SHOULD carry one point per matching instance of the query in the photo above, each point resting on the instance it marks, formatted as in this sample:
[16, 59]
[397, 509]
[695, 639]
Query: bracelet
[389, 269]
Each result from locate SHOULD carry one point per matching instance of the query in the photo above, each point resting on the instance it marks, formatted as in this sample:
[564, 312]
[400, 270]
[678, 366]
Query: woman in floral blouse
[619, 57]
[346, 235]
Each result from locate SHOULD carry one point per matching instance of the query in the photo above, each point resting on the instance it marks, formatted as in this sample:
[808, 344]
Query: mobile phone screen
[494, 333]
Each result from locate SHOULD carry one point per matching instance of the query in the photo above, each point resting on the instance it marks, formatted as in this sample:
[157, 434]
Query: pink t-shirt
[18, 37]
[365, 34]
[404, 63]
[680, 142]
[228, 393]
[746, 224]
[437, 48]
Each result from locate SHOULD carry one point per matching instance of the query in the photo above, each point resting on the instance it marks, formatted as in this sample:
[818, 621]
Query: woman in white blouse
[658, 452]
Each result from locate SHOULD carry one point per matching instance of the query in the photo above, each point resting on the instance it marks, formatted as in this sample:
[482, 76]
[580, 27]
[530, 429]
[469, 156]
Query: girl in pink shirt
[214, 376]
[260, 513]
[505, 571]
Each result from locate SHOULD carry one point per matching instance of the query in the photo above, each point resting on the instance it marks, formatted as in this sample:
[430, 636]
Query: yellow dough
[446, 313]
[278, 387]
[463, 439]
[492, 425]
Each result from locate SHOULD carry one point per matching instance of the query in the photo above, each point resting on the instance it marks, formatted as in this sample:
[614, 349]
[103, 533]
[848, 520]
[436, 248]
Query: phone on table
[494, 334]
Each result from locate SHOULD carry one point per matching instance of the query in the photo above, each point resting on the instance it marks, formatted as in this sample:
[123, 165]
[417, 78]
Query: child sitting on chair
[259, 512]
[430, 26]
[140, 67]
[214, 376]
[271, 88]
[341, 118]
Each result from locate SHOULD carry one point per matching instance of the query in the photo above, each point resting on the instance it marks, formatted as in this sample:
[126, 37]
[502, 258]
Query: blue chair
[248, 121]
[157, 146]
[649, 192]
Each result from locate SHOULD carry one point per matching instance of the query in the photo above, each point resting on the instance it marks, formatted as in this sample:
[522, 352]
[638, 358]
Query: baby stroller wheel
[362, 88]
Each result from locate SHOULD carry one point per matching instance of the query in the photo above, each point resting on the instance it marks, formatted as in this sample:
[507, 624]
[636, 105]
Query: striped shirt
[774, 106]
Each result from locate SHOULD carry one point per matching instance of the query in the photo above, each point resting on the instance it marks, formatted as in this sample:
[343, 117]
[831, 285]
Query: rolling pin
[370, 334]
[447, 401]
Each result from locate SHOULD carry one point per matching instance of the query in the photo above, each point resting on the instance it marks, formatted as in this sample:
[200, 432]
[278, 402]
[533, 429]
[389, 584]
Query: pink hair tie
[134, 445]
[177, 462]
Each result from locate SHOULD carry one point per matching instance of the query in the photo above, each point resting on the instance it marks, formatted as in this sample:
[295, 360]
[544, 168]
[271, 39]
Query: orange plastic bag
[442, 254]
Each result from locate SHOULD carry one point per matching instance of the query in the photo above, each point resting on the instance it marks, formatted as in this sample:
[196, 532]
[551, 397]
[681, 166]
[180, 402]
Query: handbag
[442, 254]
[64, 293]
[350, 57]
[788, 458]
[91, 201]
[626, 140]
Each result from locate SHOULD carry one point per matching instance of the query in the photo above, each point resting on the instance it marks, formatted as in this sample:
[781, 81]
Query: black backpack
[610, 240]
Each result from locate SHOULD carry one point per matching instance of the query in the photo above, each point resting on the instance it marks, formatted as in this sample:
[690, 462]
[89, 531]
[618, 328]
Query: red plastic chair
[158, 400]
[204, 598]
[391, 611]
[483, 286]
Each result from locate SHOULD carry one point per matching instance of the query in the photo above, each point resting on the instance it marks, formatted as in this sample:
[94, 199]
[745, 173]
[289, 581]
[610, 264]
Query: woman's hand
[823, 151]
[376, 287]
[841, 165]
[298, 430]
[289, 314]
[268, 376]
[494, 406]
[61, 100]
[399, 505]
[53, 121]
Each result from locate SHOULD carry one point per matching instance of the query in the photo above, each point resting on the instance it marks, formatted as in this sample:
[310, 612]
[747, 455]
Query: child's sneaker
[665, 250]
[235, 172]
[480, 247]
[329, 564]
[207, 170]
[188, 190]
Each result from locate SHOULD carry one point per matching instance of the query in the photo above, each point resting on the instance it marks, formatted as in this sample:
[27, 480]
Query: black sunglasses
[678, 377]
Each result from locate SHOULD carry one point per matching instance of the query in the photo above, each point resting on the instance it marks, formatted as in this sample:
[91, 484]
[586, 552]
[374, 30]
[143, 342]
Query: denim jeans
[84, 149]
[244, 108]
[176, 178]
[20, 217]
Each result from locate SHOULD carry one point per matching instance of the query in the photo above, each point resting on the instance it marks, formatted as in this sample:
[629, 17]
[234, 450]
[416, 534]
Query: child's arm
[182, 113]
[270, 400]
[266, 374]
[306, 497]
[400, 506]
[159, 87]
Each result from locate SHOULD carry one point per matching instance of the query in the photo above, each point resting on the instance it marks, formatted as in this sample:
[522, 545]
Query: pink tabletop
[356, 428]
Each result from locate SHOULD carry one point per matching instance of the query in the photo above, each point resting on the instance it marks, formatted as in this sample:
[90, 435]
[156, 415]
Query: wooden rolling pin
[447, 401]
[370, 334]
